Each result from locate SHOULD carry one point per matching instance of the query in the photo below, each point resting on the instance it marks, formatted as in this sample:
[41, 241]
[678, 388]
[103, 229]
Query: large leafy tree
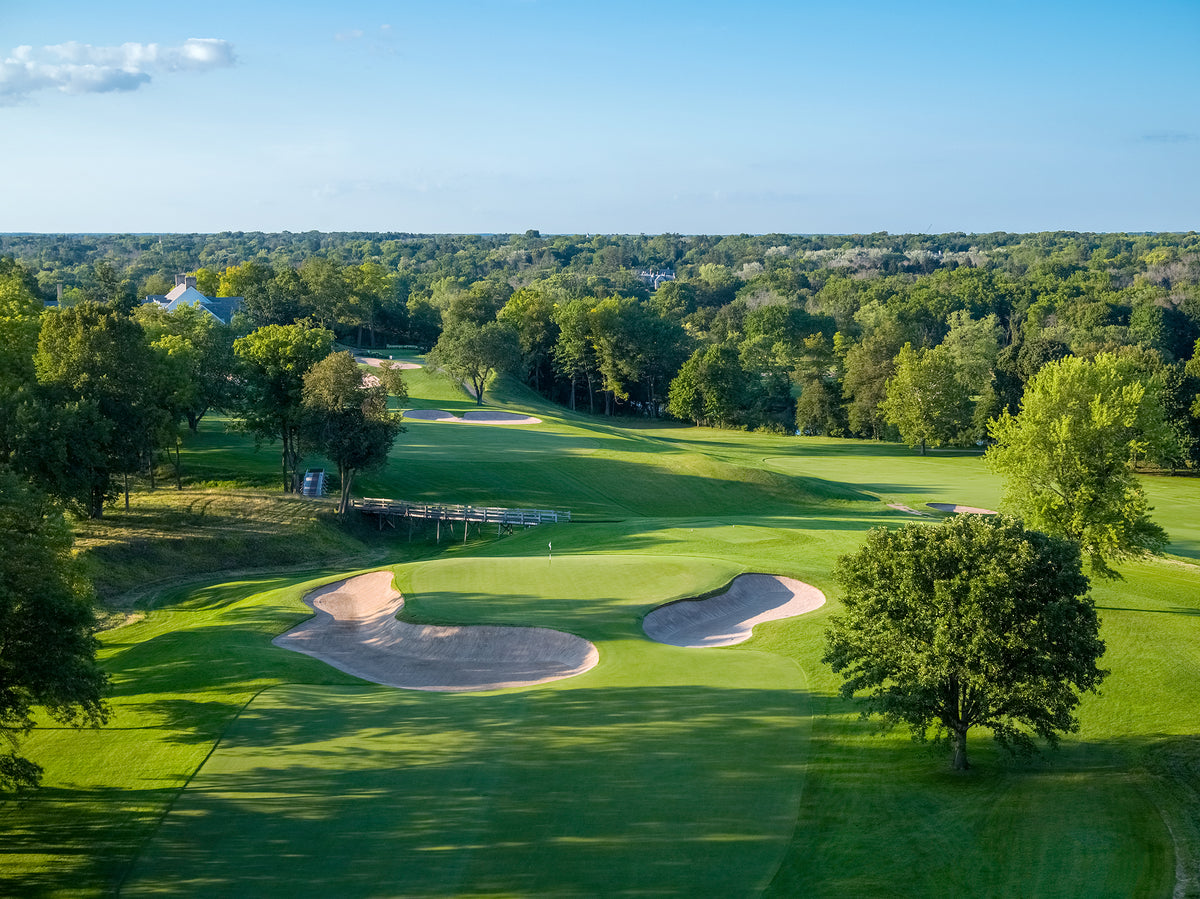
[819, 409]
[712, 389]
[199, 349]
[47, 651]
[868, 365]
[472, 352]
[347, 418]
[531, 311]
[272, 363]
[20, 317]
[97, 358]
[975, 622]
[926, 400]
[1067, 456]
[574, 353]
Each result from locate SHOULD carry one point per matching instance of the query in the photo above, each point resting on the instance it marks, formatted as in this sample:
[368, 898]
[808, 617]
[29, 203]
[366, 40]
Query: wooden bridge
[389, 511]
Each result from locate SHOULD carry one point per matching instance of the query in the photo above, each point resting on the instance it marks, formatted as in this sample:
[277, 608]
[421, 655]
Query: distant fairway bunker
[355, 630]
[960, 510]
[480, 417]
[399, 366]
[728, 618]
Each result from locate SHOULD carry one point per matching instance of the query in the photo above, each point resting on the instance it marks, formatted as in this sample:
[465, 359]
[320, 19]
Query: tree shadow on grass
[883, 816]
[572, 792]
[60, 841]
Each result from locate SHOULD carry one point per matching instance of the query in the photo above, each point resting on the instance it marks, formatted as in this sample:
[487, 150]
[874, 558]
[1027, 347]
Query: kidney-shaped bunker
[355, 629]
[729, 617]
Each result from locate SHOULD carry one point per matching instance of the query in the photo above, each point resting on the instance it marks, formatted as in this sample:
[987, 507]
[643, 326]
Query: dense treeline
[838, 335]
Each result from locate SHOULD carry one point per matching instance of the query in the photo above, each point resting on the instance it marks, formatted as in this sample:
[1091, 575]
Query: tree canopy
[975, 622]
[1067, 456]
[272, 363]
[95, 359]
[926, 400]
[347, 418]
[472, 353]
[47, 651]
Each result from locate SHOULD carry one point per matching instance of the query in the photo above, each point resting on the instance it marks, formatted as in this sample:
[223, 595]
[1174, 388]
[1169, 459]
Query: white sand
[900, 507]
[482, 416]
[962, 510]
[371, 360]
[500, 418]
[355, 630]
[730, 617]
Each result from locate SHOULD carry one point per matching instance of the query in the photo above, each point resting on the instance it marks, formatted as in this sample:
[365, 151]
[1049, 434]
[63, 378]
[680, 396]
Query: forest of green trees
[925, 338]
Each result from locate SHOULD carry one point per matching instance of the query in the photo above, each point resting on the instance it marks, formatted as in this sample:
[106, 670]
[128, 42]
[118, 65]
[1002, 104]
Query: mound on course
[356, 630]
[729, 617]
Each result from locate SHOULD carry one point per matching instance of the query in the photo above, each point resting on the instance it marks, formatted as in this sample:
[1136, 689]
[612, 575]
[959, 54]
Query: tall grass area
[232, 767]
[168, 535]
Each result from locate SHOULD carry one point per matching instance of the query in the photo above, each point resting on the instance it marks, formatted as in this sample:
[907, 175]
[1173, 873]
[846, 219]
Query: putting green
[662, 770]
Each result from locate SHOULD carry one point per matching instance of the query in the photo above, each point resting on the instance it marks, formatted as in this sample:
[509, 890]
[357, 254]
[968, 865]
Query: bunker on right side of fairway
[728, 618]
[960, 510]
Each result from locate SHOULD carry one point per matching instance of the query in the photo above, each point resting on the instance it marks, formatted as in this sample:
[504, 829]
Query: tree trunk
[959, 740]
[922, 446]
[126, 491]
[345, 475]
[572, 393]
[178, 466]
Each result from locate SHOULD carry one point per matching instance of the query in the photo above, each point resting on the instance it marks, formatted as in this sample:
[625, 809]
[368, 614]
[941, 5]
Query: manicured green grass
[234, 767]
[640, 766]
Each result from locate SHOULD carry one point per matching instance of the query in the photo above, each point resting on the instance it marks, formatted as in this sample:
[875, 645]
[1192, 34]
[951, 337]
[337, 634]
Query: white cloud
[76, 68]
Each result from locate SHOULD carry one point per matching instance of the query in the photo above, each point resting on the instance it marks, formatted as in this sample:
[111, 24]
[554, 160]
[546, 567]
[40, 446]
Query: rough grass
[169, 535]
[670, 771]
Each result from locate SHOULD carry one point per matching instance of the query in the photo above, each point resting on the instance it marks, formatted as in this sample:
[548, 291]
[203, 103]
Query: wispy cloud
[76, 68]
[376, 40]
[1170, 137]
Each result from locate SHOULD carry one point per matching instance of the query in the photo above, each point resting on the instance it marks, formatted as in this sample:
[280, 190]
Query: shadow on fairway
[569, 792]
[876, 808]
[87, 833]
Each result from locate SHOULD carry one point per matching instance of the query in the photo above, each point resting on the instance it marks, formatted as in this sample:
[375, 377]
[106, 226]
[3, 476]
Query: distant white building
[186, 294]
[656, 278]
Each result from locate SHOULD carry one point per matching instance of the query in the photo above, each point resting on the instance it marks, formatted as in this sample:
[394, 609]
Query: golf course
[233, 766]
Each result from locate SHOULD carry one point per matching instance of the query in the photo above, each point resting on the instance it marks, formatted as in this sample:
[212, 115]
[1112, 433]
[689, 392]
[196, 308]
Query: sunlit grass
[662, 770]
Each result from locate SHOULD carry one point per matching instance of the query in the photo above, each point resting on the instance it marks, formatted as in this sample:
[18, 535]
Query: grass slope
[234, 767]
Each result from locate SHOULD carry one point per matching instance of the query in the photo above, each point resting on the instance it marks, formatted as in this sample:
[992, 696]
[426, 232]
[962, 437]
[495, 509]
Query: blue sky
[503, 115]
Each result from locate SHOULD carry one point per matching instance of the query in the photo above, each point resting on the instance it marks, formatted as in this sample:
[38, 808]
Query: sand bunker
[356, 631]
[371, 360]
[962, 510]
[730, 617]
[482, 416]
[900, 507]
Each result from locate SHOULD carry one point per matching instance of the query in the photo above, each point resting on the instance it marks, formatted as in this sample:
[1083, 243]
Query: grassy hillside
[235, 767]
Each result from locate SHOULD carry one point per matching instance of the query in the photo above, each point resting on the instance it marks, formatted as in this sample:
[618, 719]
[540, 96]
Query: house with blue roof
[186, 294]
